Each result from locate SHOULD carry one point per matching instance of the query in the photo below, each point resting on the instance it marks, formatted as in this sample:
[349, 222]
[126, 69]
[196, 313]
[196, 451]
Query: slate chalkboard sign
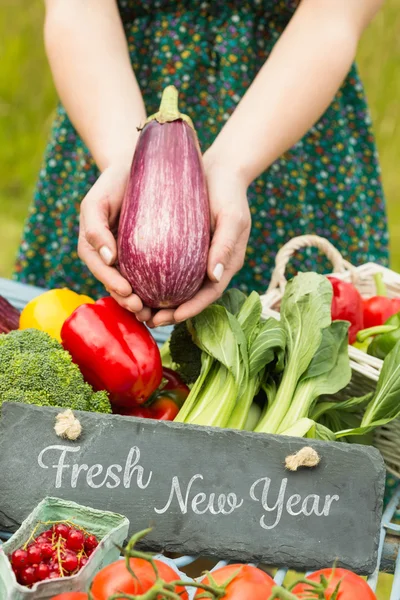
[205, 491]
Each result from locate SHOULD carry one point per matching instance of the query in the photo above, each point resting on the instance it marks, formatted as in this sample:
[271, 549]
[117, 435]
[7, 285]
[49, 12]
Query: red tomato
[71, 596]
[116, 578]
[352, 587]
[164, 409]
[142, 412]
[249, 583]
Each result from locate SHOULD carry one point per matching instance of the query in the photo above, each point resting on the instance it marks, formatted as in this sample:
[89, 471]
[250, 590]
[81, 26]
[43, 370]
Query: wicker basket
[366, 369]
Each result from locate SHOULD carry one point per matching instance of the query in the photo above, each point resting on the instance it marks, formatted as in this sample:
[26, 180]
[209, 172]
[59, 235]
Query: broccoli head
[35, 369]
[184, 353]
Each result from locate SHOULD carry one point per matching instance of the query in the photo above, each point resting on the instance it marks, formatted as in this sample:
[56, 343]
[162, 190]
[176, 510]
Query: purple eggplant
[9, 316]
[164, 229]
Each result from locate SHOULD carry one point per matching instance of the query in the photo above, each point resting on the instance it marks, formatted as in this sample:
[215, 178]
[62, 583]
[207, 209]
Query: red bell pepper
[379, 308]
[114, 351]
[347, 305]
[165, 403]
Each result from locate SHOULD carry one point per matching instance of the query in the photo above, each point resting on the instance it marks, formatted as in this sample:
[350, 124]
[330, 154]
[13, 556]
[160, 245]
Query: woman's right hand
[97, 246]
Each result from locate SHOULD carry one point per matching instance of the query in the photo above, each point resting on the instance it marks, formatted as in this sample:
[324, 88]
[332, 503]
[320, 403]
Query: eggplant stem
[169, 110]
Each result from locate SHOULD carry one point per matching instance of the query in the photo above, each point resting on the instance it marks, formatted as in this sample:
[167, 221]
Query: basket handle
[278, 279]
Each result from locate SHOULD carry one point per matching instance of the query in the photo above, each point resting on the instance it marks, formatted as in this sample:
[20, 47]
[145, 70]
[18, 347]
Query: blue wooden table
[389, 555]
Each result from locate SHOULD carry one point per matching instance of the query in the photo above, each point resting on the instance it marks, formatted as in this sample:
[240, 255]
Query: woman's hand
[230, 221]
[97, 244]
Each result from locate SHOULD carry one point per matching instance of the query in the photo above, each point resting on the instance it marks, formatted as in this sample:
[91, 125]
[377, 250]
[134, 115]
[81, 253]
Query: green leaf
[363, 429]
[253, 416]
[305, 313]
[338, 376]
[214, 333]
[270, 388]
[206, 364]
[248, 389]
[323, 433]
[269, 340]
[334, 340]
[249, 316]
[386, 402]
[351, 405]
[218, 333]
[217, 400]
[232, 300]
[328, 373]
[300, 429]
[240, 338]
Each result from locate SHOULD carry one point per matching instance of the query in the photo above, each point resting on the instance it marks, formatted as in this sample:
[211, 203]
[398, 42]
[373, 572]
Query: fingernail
[106, 255]
[218, 271]
[164, 324]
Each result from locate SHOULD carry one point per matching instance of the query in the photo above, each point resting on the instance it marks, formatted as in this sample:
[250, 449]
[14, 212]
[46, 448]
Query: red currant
[43, 572]
[34, 554]
[83, 562]
[54, 575]
[19, 558]
[91, 542]
[48, 534]
[47, 550]
[28, 575]
[70, 561]
[42, 539]
[61, 530]
[75, 540]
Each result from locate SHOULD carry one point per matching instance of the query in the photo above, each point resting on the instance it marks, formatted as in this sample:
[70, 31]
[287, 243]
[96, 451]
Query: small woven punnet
[366, 369]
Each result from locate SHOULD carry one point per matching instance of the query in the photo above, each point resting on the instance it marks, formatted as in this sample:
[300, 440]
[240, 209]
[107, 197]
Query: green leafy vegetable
[305, 313]
[328, 373]
[384, 406]
[218, 334]
[296, 365]
[232, 300]
[264, 341]
[253, 417]
[239, 346]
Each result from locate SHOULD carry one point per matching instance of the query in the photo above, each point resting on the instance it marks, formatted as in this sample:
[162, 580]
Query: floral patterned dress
[328, 183]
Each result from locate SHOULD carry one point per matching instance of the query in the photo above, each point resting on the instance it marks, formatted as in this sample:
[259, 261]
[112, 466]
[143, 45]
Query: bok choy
[274, 376]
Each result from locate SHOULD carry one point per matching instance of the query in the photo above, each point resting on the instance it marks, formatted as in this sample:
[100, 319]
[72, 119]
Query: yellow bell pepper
[48, 311]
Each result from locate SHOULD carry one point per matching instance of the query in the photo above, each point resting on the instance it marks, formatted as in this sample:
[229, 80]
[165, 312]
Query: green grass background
[27, 101]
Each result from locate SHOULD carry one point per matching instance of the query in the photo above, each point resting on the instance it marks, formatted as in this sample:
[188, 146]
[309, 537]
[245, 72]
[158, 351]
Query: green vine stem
[315, 589]
[279, 593]
[162, 590]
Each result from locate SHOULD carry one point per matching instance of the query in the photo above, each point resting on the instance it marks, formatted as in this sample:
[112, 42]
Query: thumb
[223, 245]
[95, 227]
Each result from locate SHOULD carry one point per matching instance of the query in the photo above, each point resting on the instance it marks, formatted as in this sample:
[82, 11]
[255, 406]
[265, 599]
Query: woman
[283, 60]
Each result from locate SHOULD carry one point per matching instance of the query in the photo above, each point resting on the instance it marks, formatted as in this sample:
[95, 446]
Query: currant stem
[59, 556]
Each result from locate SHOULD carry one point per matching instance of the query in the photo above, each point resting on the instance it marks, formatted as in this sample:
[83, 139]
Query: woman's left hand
[230, 222]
